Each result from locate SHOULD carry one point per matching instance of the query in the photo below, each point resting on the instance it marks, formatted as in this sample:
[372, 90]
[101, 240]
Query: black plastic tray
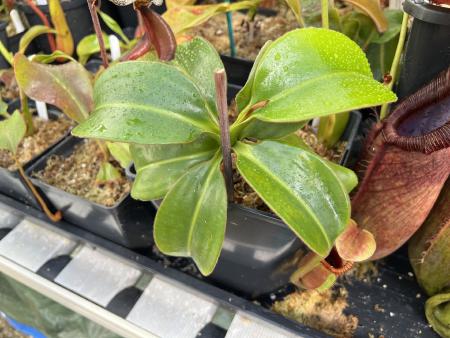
[128, 223]
[394, 290]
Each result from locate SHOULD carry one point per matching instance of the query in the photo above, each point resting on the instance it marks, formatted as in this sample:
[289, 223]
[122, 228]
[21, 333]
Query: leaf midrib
[80, 107]
[308, 82]
[196, 212]
[275, 178]
[202, 126]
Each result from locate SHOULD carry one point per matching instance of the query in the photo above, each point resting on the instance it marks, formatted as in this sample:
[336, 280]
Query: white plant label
[114, 46]
[17, 21]
[41, 108]
[41, 2]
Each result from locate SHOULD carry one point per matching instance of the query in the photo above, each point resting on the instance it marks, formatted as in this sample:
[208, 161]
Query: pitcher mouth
[433, 96]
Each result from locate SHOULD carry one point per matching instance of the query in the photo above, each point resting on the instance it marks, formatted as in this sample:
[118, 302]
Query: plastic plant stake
[114, 46]
[41, 108]
[230, 32]
[17, 21]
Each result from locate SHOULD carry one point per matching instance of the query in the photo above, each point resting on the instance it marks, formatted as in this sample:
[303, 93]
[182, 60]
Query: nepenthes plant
[404, 167]
[174, 115]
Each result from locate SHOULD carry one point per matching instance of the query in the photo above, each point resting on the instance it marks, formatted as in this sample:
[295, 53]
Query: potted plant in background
[68, 18]
[82, 179]
[42, 133]
[369, 26]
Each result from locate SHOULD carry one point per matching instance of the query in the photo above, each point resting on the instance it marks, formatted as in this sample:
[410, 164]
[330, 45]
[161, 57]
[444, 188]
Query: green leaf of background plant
[107, 173]
[184, 17]
[296, 8]
[300, 188]
[394, 18]
[332, 127]
[12, 131]
[120, 152]
[114, 26]
[67, 86]
[89, 46]
[31, 34]
[311, 73]
[50, 58]
[192, 217]
[199, 60]
[158, 167]
[152, 103]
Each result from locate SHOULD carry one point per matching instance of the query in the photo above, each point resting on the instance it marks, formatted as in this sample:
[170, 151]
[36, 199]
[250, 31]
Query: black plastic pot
[427, 50]
[10, 181]
[237, 69]
[127, 223]
[4, 39]
[259, 252]
[77, 16]
[128, 16]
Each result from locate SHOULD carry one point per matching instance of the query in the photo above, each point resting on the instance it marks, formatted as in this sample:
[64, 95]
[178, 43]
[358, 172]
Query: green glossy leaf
[147, 103]
[199, 60]
[311, 73]
[120, 152]
[89, 46]
[31, 34]
[347, 177]
[107, 173]
[245, 94]
[192, 217]
[12, 131]
[114, 26]
[67, 86]
[300, 188]
[262, 130]
[158, 167]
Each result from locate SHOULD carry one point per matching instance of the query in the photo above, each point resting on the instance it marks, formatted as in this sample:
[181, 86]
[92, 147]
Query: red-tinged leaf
[159, 33]
[67, 86]
[355, 244]
[140, 49]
